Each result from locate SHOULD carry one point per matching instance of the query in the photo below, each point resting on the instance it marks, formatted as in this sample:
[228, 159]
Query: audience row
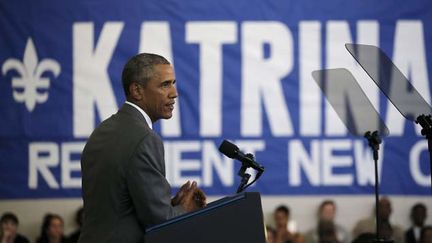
[325, 231]
[328, 231]
[51, 230]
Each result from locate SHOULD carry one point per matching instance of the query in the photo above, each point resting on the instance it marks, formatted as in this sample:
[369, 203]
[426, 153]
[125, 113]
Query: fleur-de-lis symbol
[30, 87]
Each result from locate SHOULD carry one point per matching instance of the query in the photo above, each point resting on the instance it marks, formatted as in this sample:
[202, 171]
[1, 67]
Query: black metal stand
[245, 176]
[425, 122]
[374, 141]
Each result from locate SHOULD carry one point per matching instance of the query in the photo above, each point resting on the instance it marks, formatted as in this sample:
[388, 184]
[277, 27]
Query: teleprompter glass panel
[390, 80]
[349, 101]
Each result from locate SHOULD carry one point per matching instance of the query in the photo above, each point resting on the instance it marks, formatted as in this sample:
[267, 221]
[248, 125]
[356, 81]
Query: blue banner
[243, 72]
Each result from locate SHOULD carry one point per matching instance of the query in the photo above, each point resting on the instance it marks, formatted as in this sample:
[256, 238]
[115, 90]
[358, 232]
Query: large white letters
[91, 83]
[262, 75]
[211, 36]
[310, 94]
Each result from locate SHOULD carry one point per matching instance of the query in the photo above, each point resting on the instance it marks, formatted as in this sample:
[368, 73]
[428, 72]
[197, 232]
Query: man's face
[419, 216]
[385, 209]
[281, 219]
[328, 212]
[55, 229]
[159, 93]
[9, 228]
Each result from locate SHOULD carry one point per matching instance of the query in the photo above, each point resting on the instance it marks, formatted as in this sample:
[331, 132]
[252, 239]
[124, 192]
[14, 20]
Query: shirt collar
[417, 232]
[146, 117]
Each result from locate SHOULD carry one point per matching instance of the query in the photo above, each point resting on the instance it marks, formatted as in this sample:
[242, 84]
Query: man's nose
[173, 92]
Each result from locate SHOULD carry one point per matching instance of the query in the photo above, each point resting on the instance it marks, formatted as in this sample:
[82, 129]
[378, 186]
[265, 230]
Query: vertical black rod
[425, 122]
[430, 158]
[377, 200]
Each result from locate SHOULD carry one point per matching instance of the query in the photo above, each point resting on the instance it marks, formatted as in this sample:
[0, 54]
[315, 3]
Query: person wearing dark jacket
[123, 169]
[418, 217]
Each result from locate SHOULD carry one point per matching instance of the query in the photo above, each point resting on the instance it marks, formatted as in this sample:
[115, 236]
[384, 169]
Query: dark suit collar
[132, 111]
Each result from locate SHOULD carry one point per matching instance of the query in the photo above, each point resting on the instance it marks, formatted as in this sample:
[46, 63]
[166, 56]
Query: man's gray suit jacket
[123, 180]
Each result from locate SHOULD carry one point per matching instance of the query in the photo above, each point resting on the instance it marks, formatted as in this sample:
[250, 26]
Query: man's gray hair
[139, 69]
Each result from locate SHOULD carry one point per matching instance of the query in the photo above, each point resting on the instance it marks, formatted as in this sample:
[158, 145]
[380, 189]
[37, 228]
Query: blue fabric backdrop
[243, 71]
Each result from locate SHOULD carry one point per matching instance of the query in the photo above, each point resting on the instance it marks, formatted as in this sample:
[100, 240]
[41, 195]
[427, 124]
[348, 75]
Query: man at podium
[123, 169]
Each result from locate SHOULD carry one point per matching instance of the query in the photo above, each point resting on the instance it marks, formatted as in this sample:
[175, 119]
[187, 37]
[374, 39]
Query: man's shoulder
[124, 121]
[120, 129]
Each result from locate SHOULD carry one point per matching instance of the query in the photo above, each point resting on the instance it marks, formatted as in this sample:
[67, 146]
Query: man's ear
[135, 91]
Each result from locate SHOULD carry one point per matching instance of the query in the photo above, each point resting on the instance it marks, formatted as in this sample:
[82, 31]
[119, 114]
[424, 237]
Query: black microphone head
[229, 149]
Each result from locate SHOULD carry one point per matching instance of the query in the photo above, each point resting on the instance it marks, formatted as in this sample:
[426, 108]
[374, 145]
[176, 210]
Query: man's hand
[200, 198]
[190, 197]
[180, 194]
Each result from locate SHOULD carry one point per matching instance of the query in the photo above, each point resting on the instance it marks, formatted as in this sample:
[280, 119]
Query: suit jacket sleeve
[148, 187]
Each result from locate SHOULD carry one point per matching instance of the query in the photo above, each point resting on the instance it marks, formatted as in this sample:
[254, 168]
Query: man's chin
[167, 116]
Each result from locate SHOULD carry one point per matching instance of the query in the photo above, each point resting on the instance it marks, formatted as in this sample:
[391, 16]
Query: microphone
[233, 152]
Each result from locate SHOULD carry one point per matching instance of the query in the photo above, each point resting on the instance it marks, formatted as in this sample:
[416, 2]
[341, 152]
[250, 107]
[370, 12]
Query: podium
[235, 219]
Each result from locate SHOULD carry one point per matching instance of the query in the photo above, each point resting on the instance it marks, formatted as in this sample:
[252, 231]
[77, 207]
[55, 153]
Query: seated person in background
[388, 231]
[426, 234]
[281, 217]
[52, 230]
[8, 232]
[327, 212]
[418, 217]
[327, 232]
[73, 238]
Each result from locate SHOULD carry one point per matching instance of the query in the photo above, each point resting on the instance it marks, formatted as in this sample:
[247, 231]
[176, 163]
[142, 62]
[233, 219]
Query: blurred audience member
[8, 232]
[283, 235]
[270, 232]
[387, 230]
[327, 232]
[52, 230]
[327, 215]
[365, 238]
[418, 217]
[426, 234]
[73, 238]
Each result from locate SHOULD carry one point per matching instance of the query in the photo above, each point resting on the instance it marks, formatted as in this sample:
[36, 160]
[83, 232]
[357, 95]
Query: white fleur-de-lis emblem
[30, 87]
